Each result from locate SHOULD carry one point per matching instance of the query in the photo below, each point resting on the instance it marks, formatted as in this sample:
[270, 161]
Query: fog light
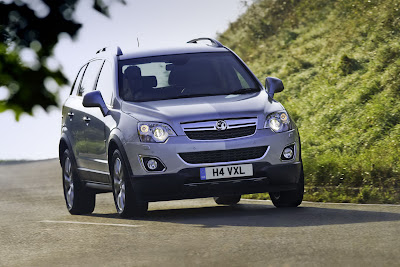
[152, 164]
[287, 153]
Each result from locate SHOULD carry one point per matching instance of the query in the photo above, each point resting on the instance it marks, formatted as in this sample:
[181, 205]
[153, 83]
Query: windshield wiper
[245, 91]
[194, 95]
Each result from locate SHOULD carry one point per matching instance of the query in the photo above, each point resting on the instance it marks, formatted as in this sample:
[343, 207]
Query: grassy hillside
[340, 64]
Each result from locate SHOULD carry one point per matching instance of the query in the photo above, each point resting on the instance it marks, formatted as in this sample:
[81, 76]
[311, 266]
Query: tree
[23, 28]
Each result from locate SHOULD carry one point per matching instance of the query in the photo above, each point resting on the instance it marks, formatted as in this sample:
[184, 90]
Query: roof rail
[117, 49]
[213, 41]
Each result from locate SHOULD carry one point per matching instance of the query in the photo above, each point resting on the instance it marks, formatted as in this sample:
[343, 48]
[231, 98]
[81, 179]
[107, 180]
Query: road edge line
[92, 223]
[328, 203]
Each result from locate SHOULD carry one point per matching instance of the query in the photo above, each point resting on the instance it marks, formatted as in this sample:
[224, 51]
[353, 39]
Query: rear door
[72, 118]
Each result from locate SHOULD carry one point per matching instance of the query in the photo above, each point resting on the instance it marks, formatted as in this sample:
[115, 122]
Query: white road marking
[90, 223]
[328, 203]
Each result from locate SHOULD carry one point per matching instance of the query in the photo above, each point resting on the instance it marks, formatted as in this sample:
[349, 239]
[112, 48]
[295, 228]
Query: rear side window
[90, 77]
[105, 84]
[78, 81]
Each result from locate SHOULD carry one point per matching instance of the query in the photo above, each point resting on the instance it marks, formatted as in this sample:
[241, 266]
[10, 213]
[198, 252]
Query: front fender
[64, 144]
[116, 141]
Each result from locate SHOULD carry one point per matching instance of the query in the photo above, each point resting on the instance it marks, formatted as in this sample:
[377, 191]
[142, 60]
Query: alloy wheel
[119, 185]
[68, 183]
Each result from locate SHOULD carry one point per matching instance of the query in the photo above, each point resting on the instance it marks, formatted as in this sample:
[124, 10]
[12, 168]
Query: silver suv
[186, 122]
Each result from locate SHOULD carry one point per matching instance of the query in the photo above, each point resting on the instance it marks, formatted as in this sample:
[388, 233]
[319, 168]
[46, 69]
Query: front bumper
[187, 184]
[169, 151]
[181, 180]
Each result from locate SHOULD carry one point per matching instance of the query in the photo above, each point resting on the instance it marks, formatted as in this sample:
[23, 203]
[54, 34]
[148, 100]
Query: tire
[125, 199]
[79, 200]
[287, 199]
[227, 200]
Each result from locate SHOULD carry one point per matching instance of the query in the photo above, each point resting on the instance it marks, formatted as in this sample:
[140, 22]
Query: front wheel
[79, 200]
[125, 199]
[291, 198]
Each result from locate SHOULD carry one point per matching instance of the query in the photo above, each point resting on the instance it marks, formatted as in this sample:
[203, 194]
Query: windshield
[182, 76]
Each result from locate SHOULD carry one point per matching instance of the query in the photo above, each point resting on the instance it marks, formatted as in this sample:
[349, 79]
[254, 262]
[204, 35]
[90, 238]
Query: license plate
[230, 171]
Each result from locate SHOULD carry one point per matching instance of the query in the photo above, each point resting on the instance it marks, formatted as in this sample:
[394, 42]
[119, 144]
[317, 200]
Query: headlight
[154, 132]
[278, 122]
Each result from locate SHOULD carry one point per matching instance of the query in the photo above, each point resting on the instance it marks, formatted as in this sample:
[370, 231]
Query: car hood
[177, 111]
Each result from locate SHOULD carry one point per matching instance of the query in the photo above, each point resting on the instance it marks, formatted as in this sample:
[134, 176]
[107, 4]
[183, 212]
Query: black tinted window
[90, 77]
[185, 75]
[78, 81]
[105, 84]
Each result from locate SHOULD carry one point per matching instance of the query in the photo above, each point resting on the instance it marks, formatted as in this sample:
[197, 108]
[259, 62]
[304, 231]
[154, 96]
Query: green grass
[340, 64]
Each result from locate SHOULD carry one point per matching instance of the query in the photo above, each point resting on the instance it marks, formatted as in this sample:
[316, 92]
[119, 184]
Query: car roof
[182, 49]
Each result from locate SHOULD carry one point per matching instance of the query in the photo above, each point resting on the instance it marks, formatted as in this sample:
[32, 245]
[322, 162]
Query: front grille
[208, 130]
[215, 135]
[224, 155]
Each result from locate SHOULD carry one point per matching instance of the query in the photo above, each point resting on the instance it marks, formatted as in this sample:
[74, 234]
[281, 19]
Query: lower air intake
[224, 155]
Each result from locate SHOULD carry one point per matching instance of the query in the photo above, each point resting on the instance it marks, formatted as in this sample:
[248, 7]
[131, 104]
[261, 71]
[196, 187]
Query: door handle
[70, 115]
[86, 119]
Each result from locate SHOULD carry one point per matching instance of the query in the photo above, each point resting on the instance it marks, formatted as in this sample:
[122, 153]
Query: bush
[340, 63]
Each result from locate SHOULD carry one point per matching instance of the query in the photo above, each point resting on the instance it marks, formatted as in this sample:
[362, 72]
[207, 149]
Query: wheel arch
[116, 143]
[63, 145]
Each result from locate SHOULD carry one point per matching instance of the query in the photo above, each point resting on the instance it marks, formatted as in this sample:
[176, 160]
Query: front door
[95, 156]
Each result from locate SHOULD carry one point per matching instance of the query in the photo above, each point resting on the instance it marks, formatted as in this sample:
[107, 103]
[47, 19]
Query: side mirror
[94, 99]
[273, 85]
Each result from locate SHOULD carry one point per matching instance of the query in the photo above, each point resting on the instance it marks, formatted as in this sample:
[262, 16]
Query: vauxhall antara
[190, 121]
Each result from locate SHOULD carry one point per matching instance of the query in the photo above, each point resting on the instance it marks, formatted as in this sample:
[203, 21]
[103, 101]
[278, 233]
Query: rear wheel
[291, 198]
[227, 200]
[79, 200]
[126, 201]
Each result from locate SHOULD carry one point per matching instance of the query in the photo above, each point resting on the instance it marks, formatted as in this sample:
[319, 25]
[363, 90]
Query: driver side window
[105, 84]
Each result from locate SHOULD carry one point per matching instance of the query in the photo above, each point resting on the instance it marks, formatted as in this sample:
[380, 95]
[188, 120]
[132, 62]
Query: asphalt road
[37, 230]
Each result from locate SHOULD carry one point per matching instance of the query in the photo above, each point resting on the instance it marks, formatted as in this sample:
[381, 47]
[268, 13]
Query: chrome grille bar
[211, 125]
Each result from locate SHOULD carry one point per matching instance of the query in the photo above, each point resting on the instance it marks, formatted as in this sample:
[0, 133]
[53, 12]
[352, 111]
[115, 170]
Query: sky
[155, 22]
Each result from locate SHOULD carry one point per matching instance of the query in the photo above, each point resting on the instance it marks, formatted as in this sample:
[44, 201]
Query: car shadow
[258, 215]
